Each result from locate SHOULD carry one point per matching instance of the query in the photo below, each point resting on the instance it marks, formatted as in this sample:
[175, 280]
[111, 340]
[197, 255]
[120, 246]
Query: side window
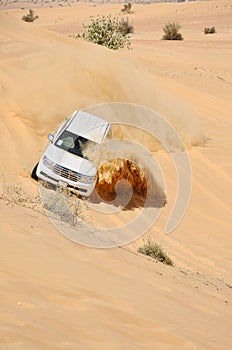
[62, 126]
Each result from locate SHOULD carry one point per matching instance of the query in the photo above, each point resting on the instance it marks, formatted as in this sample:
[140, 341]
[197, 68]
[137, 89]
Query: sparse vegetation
[30, 17]
[106, 31]
[155, 251]
[16, 195]
[171, 31]
[65, 205]
[125, 27]
[211, 30]
[127, 8]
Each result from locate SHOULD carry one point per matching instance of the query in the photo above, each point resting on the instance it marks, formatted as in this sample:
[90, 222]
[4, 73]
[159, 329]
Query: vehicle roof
[89, 126]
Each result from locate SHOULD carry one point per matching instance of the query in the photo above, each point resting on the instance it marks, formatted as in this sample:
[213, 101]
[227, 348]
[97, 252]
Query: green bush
[211, 30]
[155, 251]
[106, 31]
[171, 31]
[127, 8]
[29, 17]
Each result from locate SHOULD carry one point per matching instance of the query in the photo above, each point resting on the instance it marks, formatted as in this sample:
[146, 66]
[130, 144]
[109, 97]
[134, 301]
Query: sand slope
[58, 295]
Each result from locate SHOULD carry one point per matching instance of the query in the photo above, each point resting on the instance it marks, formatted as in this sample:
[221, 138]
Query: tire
[33, 173]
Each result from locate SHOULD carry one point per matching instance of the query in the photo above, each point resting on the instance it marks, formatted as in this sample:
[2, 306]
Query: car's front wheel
[33, 173]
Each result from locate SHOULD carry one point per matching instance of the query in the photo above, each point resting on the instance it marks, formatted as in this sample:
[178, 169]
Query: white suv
[64, 162]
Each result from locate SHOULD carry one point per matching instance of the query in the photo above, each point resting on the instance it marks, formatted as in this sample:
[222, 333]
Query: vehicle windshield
[74, 144]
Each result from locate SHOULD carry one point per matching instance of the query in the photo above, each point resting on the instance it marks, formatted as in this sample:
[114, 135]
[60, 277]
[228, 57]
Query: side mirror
[50, 137]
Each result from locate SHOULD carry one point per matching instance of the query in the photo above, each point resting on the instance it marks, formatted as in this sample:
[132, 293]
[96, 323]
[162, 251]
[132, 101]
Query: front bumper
[49, 176]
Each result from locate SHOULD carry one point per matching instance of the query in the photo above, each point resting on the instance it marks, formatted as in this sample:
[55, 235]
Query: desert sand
[57, 294]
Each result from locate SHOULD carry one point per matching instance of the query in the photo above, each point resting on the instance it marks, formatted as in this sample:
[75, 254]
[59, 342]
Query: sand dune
[56, 294]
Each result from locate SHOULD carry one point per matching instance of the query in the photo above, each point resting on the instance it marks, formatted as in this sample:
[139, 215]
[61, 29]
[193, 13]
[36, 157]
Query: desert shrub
[105, 31]
[211, 30]
[14, 194]
[171, 31]
[61, 202]
[29, 17]
[64, 204]
[127, 8]
[155, 251]
[125, 27]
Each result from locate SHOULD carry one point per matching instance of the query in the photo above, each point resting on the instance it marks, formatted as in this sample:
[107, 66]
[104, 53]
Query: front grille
[66, 173]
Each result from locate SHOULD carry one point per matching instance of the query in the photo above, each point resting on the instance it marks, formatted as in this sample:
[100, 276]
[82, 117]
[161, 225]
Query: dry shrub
[125, 27]
[171, 31]
[30, 17]
[211, 30]
[127, 8]
[155, 251]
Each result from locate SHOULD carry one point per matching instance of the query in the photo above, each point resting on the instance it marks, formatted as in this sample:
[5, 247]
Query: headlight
[87, 179]
[48, 163]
